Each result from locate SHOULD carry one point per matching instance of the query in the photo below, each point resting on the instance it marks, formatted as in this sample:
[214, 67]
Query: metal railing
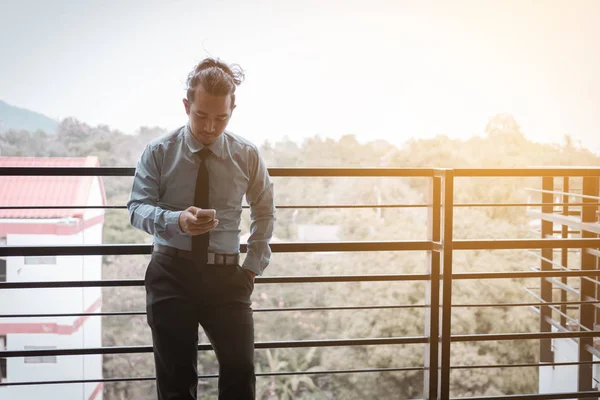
[440, 247]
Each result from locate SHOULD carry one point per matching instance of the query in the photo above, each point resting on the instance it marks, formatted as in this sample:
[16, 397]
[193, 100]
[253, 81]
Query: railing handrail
[330, 172]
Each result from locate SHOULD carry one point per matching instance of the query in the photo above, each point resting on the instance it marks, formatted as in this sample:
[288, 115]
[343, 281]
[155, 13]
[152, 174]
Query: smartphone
[206, 215]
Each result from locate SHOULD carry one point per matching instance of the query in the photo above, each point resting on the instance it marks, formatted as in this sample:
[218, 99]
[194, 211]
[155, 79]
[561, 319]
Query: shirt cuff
[173, 227]
[254, 264]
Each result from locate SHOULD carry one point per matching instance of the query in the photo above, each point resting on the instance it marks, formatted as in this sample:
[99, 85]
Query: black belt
[213, 258]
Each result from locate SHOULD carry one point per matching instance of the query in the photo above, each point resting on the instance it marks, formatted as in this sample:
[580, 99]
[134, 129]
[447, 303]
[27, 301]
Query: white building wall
[559, 379]
[55, 300]
[44, 300]
[65, 367]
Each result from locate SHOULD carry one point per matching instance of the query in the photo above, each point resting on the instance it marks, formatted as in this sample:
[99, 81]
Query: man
[194, 276]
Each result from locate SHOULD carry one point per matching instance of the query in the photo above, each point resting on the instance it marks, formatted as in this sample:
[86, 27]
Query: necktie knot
[203, 154]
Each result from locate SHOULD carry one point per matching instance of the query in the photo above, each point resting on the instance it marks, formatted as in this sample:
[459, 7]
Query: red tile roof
[46, 190]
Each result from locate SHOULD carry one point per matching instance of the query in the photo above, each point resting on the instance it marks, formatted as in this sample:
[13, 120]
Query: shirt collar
[195, 146]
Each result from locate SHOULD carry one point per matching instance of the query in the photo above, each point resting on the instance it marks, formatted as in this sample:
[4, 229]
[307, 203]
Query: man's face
[208, 114]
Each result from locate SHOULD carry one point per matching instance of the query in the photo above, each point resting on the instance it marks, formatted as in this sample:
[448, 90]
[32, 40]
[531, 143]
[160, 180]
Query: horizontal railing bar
[425, 172]
[560, 396]
[562, 286]
[572, 320]
[136, 249]
[59, 207]
[351, 172]
[73, 284]
[519, 244]
[562, 328]
[293, 373]
[82, 314]
[325, 172]
[210, 376]
[284, 279]
[399, 245]
[523, 365]
[299, 247]
[322, 206]
[525, 172]
[67, 171]
[205, 346]
[306, 279]
[540, 257]
[304, 343]
[548, 318]
[571, 212]
[557, 325]
[592, 351]
[295, 309]
[530, 292]
[565, 395]
[582, 196]
[382, 307]
[280, 207]
[524, 274]
[129, 313]
[593, 252]
[554, 303]
[566, 220]
[76, 250]
[524, 204]
[310, 279]
[554, 323]
[563, 268]
[522, 336]
[558, 265]
[274, 172]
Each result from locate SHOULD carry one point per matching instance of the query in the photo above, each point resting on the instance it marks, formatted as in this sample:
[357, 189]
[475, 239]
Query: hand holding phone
[196, 221]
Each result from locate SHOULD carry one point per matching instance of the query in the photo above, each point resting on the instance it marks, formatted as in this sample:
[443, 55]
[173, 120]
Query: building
[51, 227]
[558, 379]
[574, 222]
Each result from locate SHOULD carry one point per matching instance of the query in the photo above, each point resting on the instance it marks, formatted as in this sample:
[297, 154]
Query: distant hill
[16, 118]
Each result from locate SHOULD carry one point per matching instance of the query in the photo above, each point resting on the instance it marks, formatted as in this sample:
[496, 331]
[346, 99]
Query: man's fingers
[206, 225]
[201, 220]
[198, 229]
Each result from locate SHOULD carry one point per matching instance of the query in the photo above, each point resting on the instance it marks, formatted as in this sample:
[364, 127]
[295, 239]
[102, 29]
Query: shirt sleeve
[262, 214]
[144, 212]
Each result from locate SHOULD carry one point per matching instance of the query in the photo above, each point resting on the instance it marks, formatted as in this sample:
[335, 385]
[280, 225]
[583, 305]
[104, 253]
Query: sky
[391, 70]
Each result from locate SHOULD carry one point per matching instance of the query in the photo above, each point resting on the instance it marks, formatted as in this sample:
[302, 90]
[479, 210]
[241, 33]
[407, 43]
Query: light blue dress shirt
[164, 185]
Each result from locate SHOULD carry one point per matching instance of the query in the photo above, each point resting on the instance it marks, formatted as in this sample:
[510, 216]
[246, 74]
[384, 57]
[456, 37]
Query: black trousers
[180, 295]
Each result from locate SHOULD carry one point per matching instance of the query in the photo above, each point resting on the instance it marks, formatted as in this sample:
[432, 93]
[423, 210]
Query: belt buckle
[221, 259]
[214, 259]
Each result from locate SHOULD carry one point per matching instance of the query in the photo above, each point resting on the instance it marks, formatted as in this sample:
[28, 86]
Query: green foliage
[288, 386]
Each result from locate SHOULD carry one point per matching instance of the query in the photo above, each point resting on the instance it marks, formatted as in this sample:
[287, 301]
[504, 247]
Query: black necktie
[200, 242]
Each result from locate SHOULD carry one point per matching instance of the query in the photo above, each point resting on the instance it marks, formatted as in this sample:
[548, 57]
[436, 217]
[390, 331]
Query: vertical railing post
[447, 249]
[546, 354]
[432, 293]
[587, 289]
[564, 252]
